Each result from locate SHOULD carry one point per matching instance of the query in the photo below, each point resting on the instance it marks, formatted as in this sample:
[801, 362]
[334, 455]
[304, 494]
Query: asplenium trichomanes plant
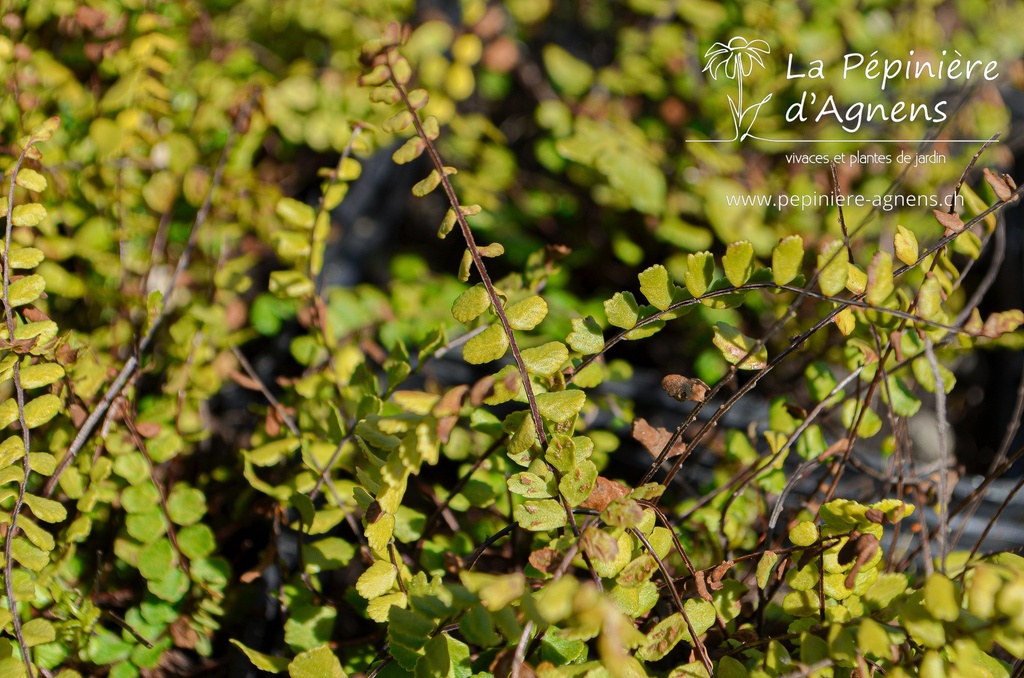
[607, 578]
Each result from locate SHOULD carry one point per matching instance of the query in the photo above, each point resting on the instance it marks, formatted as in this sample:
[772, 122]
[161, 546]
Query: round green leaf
[586, 336]
[471, 303]
[42, 374]
[26, 290]
[38, 631]
[319, 662]
[295, 213]
[527, 314]
[196, 541]
[31, 179]
[40, 410]
[156, 560]
[487, 346]
[25, 257]
[377, 579]
[540, 515]
[186, 505]
[545, 360]
[28, 215]
[622, 310]
[559, 406]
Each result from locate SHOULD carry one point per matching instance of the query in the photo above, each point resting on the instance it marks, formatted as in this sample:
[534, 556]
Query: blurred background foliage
[568, 123]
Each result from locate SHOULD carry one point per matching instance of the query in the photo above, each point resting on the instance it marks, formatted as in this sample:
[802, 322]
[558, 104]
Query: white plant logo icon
[736, 60]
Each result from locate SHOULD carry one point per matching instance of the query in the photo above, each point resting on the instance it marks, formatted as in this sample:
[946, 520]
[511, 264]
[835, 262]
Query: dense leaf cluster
[440, 478]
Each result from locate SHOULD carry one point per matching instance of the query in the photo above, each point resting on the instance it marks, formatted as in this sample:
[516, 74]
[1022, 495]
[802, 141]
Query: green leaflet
[569, 74]
[905, 243]
[656, 286]
[700, 269]
[527, 314]
[28, 215]
[736, 347]
[295, 213]
[262, 661]
[622, 310]
[489, 345]
[38, 631]
[31, 179]
[545, 360]
[540, 515]
[26, 290]
[765, 567]
[833, 268]
[738, 262]
[880, 284]
[377, 580]
[586, 336]
[561, 406]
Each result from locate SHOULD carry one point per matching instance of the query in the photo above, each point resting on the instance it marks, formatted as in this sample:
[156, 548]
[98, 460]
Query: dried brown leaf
[655, 438]
[715, 579]
[702, 586]
[685, 389]
[1002, 184]
[605, 492]
[951, 222]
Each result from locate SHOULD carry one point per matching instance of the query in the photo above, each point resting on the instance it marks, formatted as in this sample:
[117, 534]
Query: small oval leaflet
[738, 262]
[700, 267]
[489, 345]
[31, 179]
[622, 310]
[28, 215]
[736, 347]
[787, 258]
[471, 303]
[833, 268]
[527, 314]
[41, 410]
[377, 579]
[586, 336]
[26, 290]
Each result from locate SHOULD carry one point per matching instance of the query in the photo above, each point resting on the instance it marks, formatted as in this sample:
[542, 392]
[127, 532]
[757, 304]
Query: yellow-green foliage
[398, 523]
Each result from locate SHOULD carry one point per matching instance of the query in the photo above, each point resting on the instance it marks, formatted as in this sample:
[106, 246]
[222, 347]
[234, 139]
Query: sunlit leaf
[833, 268]
[738, 262]
[487, 346]
[622, 310]
[700, 268]
[734, 345]
[527, 314]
